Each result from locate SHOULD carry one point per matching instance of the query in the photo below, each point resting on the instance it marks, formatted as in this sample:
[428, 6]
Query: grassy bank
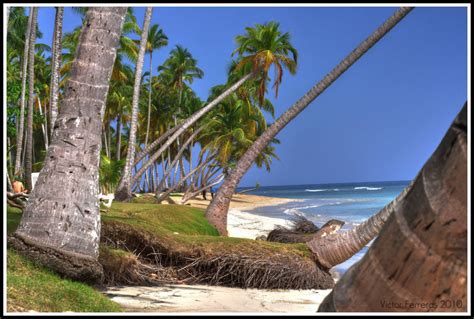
[31, 287]
[178, 242]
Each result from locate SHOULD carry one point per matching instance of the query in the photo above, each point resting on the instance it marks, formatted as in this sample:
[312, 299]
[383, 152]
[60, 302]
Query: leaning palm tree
[21, 128]
[31, 88]
[420, 256]
[60, 226]
[56, 64]
[216, 212]
[123, 190]
[280, 51]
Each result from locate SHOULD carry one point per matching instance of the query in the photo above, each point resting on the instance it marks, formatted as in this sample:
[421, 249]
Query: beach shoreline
[241, 222]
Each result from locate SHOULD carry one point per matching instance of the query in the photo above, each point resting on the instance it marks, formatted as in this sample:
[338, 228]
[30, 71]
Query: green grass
[31, 287]
[192, 227]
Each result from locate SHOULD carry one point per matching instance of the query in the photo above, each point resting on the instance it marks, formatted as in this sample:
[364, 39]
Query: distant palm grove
[150, 123]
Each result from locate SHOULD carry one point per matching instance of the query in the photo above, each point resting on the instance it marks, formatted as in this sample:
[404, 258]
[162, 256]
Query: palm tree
[21, 128]
[56, 64]
[31, 88]
[216, 212]
[181, 69]
[123, 191]
[280, 47]
[262, 47]
[60, 226]
[427, 236]
[156, 39]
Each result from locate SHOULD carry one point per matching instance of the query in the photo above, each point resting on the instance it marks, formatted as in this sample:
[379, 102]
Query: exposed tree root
[193, 265]
[73, 266]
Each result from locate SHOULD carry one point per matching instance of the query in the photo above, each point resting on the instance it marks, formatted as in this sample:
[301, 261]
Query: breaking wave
[369, 188]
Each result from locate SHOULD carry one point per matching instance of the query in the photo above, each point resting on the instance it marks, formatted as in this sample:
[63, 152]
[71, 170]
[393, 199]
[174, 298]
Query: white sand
[201, 298]
[247, 225]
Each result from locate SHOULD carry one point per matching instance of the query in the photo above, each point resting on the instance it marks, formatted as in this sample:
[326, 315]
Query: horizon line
[327, 183]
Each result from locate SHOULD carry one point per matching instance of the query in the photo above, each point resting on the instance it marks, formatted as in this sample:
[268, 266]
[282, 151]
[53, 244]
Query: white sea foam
[369, 188]
[322, 190]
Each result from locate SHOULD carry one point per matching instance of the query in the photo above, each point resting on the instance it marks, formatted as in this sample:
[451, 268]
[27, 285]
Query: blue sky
[379, 121]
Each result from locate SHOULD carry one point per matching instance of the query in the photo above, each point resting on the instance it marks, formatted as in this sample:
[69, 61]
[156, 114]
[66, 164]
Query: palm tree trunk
[163, 167]
[212, 183]
[118, 135]
[43, 125]
[216, 213]
[148, 172]
[31, 88]
[56, 65]
[21, 128]
[106, 145]
[60, 225]
[171, 188]
[149, 102]
[123, 191]
[186, 124]
[155, 143]
[420, 256]
[176, 159]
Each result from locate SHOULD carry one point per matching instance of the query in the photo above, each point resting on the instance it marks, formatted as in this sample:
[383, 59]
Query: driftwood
[303, 230]
[17, 200]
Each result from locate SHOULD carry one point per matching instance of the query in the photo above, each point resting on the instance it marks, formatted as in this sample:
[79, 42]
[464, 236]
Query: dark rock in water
[303, 230]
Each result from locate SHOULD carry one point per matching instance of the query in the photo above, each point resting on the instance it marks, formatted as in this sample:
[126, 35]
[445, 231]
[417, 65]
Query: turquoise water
[350, 202]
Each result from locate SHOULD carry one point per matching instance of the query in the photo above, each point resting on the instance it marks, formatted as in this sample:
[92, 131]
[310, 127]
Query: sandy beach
[200, 298]
[241, 223]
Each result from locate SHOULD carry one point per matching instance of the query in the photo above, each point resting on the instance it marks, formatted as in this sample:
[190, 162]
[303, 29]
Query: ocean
[350, 202]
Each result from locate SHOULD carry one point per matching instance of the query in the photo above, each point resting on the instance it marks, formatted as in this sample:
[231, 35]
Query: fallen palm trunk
[302, 230]
[419, 260]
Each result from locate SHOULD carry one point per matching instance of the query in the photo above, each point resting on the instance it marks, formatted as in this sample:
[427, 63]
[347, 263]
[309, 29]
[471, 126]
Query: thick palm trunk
[60, 226]
[419, 260]
[31, 88]
[21, 127]
[333, 249]
[186, 124]
[124, 191]
[56, 65]
[216, 213]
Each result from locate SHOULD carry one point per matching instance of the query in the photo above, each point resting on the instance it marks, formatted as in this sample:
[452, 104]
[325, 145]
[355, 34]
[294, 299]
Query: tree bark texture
[60, 226]
[56, 65]
[419, 260]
